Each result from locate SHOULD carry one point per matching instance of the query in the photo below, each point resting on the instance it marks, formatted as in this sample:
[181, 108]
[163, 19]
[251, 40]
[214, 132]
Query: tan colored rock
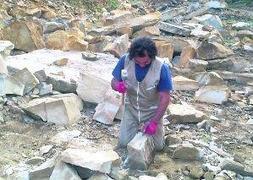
[119, 46]
[60, 109]
[26, 35]
[67, 40]
[188, 53]
[209, 78]
[149, 31]
[118, 16]
[48, 14]
[184, 114]
[184, 84]
[165, 49]
[125, 30]
[61, 62]
[214, 50]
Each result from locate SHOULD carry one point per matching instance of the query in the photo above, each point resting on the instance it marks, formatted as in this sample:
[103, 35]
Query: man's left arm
[164, 100]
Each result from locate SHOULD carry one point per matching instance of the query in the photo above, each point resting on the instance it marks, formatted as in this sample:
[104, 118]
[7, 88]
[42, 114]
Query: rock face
[58, 109]
[184, 114]
[214, 50]
[140, 152]
[26, 35]
[65, 172]
[100, 161]
[182, 83]
[213, 94]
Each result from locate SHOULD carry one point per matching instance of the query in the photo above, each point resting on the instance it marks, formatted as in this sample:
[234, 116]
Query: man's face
[143, 61]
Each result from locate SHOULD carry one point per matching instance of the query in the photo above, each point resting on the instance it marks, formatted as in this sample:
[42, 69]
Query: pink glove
[121, 87]
[150, 128]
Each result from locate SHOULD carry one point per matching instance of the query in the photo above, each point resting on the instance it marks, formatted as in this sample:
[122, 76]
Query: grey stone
[250, 122]
[160, 176]
[35, 160]
[140, 152]
[45, 149]
[64, 171]
[240, 26]
[100, 161]
[214, 50]
[195, 172]
[59, 109]
[50, 27]
[186, 152]
[228, 164]
[171, 13]
[174, 29]
[220, 64]
[216, 4]
[209, 78]
[209, 175]
[23, 175]
[172, 139]
[45, 89]
[213, 94]
[118, 173]
[210, 20]
[43, 171]
[62, 86]
[197, 65]
[27, 78]
[41, 75]
[89, 56]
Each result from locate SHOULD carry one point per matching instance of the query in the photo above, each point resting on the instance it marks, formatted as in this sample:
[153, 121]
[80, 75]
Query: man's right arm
[117, 80]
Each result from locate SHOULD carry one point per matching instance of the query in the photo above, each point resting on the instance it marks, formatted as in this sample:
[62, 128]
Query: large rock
[184, 84]
[186, 152]
[26, 35]
[213, 94]
[100, 161]
[149, 31]
[210, 20]
[118, 16]
[95, 94]
[58, 109]
[64, 171]
[140, 151]
[13, 86]
[5, 48]
[209, 51]
[197, 65]
[174, 29]
[240, 26]
[188, 53]
[50, 27]
[43, 171]
[119, 46]
[3, 68]
[25, 77]
[136, 24]
[107, 110]
[209, 78]
[228, 164]
[165, 49]
[184, 114]
[67, 40]
[220, 64]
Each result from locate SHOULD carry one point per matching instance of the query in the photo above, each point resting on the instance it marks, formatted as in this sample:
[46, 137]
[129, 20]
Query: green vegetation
[95, 6]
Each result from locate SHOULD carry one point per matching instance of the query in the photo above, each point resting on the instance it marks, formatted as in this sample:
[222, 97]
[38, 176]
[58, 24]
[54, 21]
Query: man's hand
[121, 87]
[150, 127]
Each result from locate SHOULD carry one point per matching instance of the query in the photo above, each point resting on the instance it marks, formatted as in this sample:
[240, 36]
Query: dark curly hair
[140, 45]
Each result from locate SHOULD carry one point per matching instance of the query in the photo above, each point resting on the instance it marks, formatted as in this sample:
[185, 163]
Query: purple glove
[121, 87]
[150, 128]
